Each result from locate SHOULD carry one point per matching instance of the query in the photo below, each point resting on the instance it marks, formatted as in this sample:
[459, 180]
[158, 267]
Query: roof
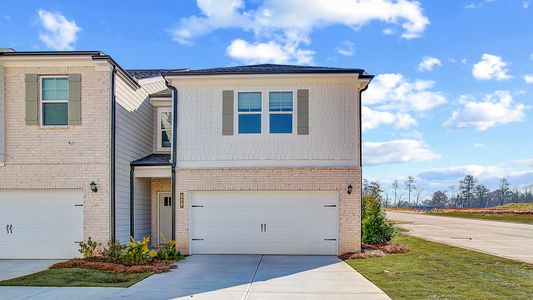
[153, 160]
[96, 55]
[149, 73]
[162, 94]
[271, 69]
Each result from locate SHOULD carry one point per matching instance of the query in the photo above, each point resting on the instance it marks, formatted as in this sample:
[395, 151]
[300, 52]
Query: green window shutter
[227, 112]
[303, 112]
[74, 99]
[32, 99]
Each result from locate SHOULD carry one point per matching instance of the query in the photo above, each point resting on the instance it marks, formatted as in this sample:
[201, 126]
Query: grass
[77, 277]
[437, 271]
[517, 206]
[528, 219]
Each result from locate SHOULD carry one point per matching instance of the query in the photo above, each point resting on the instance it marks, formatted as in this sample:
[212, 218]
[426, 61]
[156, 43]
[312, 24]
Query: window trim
[293, 112]
[159, 147]
[237, 112]
[41, 117]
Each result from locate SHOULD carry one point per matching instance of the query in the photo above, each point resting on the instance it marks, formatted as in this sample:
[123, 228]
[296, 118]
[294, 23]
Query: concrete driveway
[505, 239]
[221, 277]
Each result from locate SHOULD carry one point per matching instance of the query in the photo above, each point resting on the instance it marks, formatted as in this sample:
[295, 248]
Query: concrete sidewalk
[505, 239]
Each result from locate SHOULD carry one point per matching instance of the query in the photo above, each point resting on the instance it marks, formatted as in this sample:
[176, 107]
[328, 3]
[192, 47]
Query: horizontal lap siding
[134, 121]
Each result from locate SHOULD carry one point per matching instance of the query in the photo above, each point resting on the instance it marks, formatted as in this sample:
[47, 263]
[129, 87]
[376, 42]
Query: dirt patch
[154, 267]
[378, 250]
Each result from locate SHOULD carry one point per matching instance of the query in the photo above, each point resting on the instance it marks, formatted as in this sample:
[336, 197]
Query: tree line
[467, 194]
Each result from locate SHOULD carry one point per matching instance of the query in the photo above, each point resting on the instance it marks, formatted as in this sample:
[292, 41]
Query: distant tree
[504, 191]
[419, 194]
[482, 195]
[410, 185]
[466, 189]
[439, 199]
[374, 189]
[395, 189]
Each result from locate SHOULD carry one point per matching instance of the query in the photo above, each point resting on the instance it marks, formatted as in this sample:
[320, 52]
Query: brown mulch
[378, 250]
[154, 267]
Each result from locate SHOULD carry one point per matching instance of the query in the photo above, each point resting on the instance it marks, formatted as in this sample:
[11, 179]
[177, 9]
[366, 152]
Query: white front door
[264, 222]
[165, 218]
[40, 224]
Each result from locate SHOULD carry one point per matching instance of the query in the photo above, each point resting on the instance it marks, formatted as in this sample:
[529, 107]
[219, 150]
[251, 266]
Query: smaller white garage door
[40, 224]
[265, 222]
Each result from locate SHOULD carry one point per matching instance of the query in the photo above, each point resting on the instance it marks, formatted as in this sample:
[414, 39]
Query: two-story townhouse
[239, 160]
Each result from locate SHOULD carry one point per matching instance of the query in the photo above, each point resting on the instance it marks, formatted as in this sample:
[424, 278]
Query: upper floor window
[54, 100]
[281, 109]
[164, 127]
[249, 109]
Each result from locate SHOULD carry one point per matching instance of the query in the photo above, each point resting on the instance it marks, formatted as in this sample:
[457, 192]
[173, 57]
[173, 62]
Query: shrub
[167, 251]
[88, 249]
[137, 253]
[114, 252]
[376, 228]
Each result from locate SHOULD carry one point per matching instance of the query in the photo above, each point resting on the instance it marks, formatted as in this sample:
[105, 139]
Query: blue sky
[453, 93]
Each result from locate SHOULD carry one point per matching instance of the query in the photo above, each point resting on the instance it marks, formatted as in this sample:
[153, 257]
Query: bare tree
[395, 189]
[419, 194]
[410, 185]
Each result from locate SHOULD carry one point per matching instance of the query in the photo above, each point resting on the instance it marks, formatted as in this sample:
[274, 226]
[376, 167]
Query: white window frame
[293, 112]
[41, 110]
[237, 112]
[160, 111]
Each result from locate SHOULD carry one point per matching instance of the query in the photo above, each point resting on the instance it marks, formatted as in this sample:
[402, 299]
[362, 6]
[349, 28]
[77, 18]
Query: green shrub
[137, 253]
[114, 252]
[88, 249]
[167, 251]
[375, 226]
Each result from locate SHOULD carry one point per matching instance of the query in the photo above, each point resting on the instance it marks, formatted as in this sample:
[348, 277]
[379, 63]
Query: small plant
[88, 249]
[376, 228]
[114, 252]
[167, 251]
[137, 252]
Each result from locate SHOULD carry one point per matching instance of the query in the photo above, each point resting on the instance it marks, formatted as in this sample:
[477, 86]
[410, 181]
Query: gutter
[173, 158]
[112, 159]
[370, 77]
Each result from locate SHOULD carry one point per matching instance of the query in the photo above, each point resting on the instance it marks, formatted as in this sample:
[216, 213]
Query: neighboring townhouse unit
[262, 159]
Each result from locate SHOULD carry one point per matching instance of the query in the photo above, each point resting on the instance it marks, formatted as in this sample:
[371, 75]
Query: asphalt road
[505, 239]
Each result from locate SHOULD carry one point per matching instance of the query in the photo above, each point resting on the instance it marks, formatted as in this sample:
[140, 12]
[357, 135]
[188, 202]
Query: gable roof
[149, 73]
[271, 69]
[162, 94]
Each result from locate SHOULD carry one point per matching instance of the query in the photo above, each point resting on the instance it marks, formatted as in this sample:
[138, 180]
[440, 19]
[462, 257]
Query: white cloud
[394, 92]
[494, 109]
[525, 4]
[268, 52]
[478, 145]
[373, 119]
[289, 23]
[428, 63]
[60, 33]
[396, 151]
[347, 48]
[528, 78]
[491, 67]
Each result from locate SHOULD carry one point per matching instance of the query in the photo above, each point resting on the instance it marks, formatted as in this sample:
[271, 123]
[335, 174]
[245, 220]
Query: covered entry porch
[156, 170]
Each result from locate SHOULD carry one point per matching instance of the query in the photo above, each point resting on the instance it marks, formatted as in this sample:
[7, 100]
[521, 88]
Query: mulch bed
[154, 267]
[378, 250]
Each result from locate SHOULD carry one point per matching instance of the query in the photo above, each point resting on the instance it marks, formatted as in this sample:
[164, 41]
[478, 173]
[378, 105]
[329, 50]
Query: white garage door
[40, 224]
[264, 223]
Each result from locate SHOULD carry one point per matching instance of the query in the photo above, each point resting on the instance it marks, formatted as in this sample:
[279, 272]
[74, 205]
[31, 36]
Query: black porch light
[94, 188]
[350, 188]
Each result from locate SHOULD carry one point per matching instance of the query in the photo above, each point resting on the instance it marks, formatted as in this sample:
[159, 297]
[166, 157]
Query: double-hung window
[281, 109]
[249, 110]
[54, 100]
[164, 128]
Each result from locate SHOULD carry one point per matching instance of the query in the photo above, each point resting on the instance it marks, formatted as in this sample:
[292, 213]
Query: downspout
[132, 203]
[174, 153]
[361, 155]
[113, 136]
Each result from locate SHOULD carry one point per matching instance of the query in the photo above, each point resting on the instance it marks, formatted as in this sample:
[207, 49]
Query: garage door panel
[46, 224]
[296, 222]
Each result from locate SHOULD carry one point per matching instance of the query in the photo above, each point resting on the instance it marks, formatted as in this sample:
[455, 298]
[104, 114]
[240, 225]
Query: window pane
[55, 113]
[249, 123]
[281, 123]
[165, 139]
[280, 101]
[166, 120]
[249, 102]
[55, 89]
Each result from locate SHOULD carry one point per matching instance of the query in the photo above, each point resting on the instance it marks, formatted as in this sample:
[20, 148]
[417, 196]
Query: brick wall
[43, 158]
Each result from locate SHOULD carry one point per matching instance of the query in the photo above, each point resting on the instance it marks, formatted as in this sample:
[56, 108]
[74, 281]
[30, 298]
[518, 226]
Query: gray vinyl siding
[134, 136]
[2, 116]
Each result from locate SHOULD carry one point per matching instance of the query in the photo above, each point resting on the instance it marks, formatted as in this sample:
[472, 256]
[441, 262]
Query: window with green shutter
[54, 100]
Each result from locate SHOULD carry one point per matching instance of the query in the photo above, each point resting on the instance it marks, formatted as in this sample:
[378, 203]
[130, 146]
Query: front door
[165, 218]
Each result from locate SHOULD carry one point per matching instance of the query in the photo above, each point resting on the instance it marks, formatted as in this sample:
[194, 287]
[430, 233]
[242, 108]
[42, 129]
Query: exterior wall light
[350, 188]
[181, 200]
[94, 188]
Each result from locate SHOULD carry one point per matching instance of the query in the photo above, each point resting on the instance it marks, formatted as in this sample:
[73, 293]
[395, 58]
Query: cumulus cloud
[373, 119]
[290, 22]
[346, 49]
[490, 67]
[494, 109]
[428, 63]
[59, 32]
[395, 92]
[528, 78]
[268, 52]
[396, 151]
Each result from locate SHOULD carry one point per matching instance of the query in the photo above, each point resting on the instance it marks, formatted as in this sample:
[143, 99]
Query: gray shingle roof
[162, 94]
[153, 160]
[148, 73]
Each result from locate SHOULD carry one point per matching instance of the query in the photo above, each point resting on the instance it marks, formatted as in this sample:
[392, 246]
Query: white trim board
[265, 163]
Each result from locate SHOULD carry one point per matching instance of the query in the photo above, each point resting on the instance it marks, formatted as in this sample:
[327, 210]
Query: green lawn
[437, 271]
[77, 277]
[494, 217]
[518, 206]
